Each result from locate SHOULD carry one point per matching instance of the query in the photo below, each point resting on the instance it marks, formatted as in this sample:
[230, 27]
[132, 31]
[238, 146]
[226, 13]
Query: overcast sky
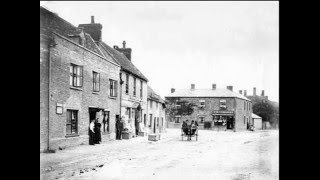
[175, 44]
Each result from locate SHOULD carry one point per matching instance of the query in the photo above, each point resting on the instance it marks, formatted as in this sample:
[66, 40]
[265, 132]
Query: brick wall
[62, 55]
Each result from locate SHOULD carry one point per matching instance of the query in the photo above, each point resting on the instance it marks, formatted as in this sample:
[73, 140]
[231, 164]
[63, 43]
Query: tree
[266, 110]
[176, 107]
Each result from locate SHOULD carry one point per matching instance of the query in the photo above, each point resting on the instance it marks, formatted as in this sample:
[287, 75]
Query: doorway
[230, 122]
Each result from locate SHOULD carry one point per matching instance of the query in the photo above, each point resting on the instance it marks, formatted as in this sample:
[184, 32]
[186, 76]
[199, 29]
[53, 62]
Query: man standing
[118, 134]
[97, 131]
[91, 133]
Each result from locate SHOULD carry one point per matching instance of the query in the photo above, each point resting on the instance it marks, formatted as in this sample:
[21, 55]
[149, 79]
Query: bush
[207, 124]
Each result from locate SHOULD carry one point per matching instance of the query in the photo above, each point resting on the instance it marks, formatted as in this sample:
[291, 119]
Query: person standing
[91, 133]
[137, 126]
[97, 131]
[121, 126]
[118, 135]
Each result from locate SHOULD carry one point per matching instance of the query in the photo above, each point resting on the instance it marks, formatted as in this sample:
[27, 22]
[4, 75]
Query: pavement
[216, 155]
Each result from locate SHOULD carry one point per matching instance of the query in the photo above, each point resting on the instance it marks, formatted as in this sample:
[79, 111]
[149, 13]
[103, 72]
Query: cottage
[216, 109]
[78, 83]
[156, 112]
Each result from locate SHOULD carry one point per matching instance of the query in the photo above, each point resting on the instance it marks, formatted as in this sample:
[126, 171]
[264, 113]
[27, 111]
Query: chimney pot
[92, 19]
[172, 90]
[214, 86]
[245, 92]
[124, 44]
[230, 88]
[193, 86]
[262, 93]
[240, 91]
[254, 91]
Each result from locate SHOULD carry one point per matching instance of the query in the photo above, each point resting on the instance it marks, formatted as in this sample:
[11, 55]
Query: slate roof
[51, 22]
[206, 93]
[125, 63]
[255, 116]
[154, 96]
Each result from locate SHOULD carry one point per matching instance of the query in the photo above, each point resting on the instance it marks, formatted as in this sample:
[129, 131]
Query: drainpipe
[121, 82]
[51, 43]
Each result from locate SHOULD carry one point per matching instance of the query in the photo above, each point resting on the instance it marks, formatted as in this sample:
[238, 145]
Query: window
[162, 122]
[244, 105]
[177, 119]
[141, 86]
[157, 121]
[76, 75]
[145, 120]
[244, 119]
[223, 104]
[72, 122]
[219, 120]
[201, 103]
[201, 119]
[127, 83]
[128, 112]
[113, 88]
[134, 86]
[96, 81]
[150, 120]
[178, 104]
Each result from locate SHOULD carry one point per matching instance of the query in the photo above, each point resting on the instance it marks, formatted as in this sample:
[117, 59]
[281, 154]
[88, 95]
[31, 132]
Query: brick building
[156, 122]
[217, 109]
[77, 83]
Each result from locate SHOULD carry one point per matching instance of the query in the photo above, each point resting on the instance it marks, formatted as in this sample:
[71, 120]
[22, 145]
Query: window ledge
[113, 97]
[94, 92]
[75, 88]
[72, 135]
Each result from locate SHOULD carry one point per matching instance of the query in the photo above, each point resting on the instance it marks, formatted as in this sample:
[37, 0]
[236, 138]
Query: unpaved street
[216, 155]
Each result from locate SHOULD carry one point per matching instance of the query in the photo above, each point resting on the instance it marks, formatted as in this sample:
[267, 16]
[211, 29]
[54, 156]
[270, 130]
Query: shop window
[113, 88]
[106, 121]
[219, 120]
[223, 104]
[96, 81]
[72, 122]
[76, 75]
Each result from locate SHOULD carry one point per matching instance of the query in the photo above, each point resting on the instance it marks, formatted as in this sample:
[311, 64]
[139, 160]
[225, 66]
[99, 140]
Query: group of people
[94, 132]
[189, 128]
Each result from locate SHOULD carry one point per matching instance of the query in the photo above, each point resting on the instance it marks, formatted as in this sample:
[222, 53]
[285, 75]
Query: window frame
[69, 122]
[96, 84]
[127, 83]
[223, 104]
[113, 88]
[134, 86]
[75, 75]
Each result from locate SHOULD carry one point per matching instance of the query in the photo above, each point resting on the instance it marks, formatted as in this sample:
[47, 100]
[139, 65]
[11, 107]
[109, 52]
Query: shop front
[223, 120]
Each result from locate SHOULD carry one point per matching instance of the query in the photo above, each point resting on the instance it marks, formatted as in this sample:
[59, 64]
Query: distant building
[156, 113]
[256, 121]
[217, 109]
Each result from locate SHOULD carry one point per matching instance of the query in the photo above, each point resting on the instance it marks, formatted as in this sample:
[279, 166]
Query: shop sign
[222, 112]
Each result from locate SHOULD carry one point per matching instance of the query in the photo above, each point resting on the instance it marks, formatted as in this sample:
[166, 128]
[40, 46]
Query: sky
[176, 44]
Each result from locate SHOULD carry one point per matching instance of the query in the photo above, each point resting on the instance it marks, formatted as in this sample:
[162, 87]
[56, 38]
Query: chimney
[262, 93]
[245, 93]
[214, 86]
[92, 19]
[254, 91]
[172, 90]
[240, 91]
[94, 29]
[124, 50]
[193, 86]
[230, 88]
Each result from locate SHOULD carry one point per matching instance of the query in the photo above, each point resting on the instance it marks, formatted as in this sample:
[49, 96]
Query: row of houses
[82, 78]
[215, 108]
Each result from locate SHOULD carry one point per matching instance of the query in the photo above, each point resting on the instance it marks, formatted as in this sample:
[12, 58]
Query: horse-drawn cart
[189, 134]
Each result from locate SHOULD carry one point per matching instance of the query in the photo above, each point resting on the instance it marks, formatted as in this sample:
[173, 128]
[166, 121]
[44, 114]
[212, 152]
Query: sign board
[222, 112]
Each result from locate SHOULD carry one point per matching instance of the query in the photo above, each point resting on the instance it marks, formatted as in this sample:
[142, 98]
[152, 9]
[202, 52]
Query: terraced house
[78, 82]
[156, 122]
[216, 109]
